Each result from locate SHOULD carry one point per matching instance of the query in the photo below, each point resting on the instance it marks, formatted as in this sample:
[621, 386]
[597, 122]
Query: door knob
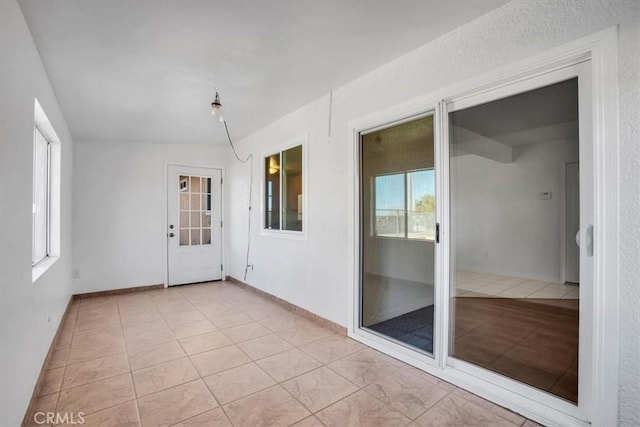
[171, 234]
[171, 226]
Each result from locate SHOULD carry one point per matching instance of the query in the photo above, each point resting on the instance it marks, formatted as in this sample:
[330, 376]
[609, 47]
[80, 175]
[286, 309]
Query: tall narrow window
[283, 190]
[41, 196]
[45, 214]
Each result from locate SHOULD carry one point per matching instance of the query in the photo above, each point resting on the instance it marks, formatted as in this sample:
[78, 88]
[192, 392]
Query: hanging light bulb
[216, 107]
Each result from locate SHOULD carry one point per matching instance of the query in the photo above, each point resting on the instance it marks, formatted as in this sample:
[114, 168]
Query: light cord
[249, 158]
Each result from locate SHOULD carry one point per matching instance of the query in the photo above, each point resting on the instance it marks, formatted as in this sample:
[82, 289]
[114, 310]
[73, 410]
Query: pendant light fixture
[216, 107]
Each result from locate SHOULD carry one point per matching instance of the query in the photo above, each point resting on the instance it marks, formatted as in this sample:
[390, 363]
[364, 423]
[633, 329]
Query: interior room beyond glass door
[398, 231]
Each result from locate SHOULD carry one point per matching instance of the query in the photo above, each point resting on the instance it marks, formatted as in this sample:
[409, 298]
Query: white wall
[497, 209]
[314, 274]
[119, 210]
[29, 312]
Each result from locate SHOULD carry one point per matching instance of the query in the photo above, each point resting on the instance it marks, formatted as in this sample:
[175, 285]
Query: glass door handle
[589, 240]
[578, 238]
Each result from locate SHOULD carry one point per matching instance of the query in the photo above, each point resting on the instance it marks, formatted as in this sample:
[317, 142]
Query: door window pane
[195, 210]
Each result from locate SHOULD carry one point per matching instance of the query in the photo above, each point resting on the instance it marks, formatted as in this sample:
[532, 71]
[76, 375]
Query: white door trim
[166, 213]
[601, 49]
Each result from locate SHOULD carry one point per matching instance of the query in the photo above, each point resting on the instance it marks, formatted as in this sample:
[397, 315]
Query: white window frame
[47, 201]
[286, 234]
[53, 189]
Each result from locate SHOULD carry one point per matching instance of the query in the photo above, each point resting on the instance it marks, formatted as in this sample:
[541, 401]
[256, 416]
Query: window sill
[40, 268]
[285, 234]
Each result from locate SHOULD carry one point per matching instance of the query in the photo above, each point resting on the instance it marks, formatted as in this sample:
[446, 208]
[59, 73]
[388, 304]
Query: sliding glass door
[520, 181]
[398, 232]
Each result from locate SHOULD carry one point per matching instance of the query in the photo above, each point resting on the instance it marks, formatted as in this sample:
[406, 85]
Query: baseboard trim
[47, 359]
[121, 291]
[291, 307]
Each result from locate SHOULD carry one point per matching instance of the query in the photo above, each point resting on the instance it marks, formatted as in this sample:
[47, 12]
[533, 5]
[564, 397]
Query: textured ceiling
[146, 70]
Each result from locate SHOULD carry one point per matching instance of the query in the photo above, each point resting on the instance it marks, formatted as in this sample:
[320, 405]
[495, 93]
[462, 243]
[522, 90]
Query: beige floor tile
[213, 311]
[265, 346]
[64, 340]
[530, 423]
[93, 370]
[366, 366]
[181, 317]
[246, 332]
[231, 320]
[288, 364]
[329, 349]
[417, 373]
[498, 410]
[456, 411]
[147, 338]
[97, 395]
[123, 415]
[58, 358]
[361, 409]
[406, 393]
[204, 342]
[212, 418]
[163, 376]
[311, 421]
[271, 407]
[305, 334]
[319, 388]
[185, 330]
[144, 320]
[97, 320]
[221, 359]
[42, 405]
[155, 354]
[238, 382]
[284, 321]
[95, 343]
[176, 404]
[51, 381]
[265, 312]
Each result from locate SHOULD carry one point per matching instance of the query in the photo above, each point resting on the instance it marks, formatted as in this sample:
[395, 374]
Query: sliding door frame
[580, 70]
[600, 49]
[393, 117]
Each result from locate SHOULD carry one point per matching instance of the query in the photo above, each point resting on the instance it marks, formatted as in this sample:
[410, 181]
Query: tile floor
[218, 355]
[474, 284]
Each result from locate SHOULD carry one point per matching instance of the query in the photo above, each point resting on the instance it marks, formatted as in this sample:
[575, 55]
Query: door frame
[165, 200]
[564, 242]
[601, 50]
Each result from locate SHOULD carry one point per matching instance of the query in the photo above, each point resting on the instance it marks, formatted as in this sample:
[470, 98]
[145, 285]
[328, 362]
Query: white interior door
[194, 221]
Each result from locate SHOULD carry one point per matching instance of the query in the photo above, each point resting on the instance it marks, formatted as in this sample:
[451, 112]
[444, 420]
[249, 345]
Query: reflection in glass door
[515, 307]
[398, 230]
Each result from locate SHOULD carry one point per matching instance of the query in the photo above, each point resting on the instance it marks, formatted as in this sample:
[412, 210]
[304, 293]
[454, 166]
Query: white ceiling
[146, 70]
